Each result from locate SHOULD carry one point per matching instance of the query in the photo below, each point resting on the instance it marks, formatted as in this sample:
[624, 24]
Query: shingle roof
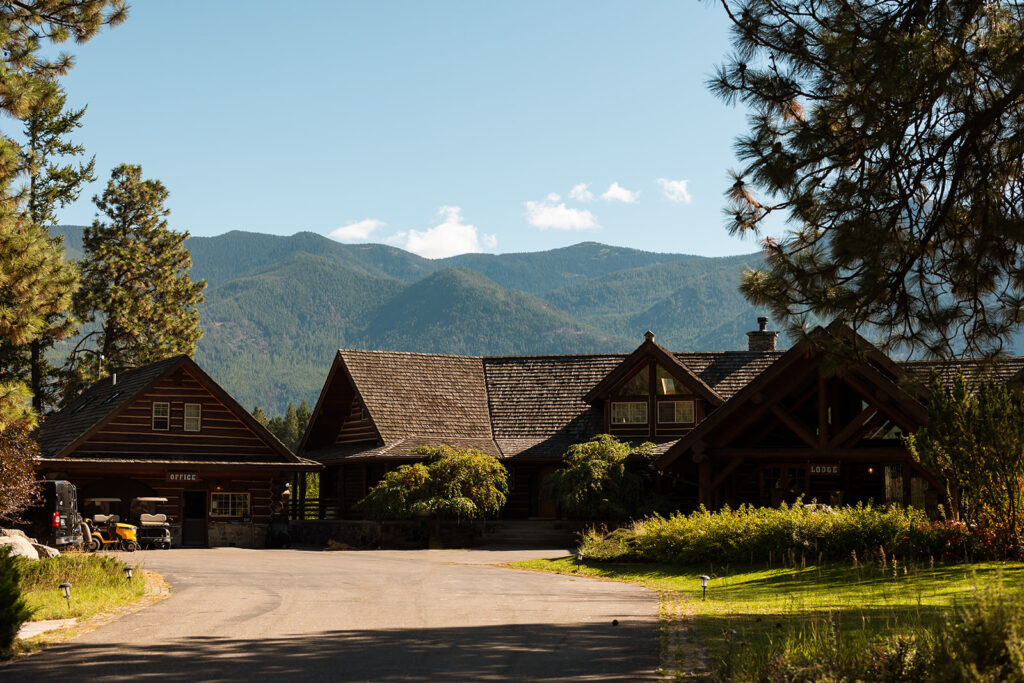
[95, 404]
[523, 406]
[540, 396]
[422, 394]
[728, 371]
[974, 371]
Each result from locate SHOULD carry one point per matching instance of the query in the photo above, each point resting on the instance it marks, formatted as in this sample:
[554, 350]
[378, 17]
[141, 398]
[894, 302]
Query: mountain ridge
[278, 307]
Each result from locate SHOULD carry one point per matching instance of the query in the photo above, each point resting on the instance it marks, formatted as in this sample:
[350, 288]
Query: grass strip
[752, 614]
[98, 584]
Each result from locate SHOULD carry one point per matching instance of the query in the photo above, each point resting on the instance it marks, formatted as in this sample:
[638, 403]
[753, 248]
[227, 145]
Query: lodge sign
[830, 470]
[182, 476]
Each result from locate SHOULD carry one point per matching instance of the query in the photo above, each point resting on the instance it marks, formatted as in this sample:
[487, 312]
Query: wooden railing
[314, 508]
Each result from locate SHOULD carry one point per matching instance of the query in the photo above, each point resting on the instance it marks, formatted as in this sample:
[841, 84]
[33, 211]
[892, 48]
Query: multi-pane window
[229, 504]
[675, 412]
[629, 412]
[193, 417]
[161, 416]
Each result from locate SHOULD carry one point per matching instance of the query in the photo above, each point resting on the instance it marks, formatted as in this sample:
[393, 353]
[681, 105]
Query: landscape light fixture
[704, 578]
[128, 573]
[65, 589]
[579, 560]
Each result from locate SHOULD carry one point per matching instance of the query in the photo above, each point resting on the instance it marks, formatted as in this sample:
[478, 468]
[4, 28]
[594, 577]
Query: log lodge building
[168, 430]
[822, 420]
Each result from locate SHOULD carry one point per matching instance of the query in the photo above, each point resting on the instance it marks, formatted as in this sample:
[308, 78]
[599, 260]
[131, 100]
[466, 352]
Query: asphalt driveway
[237, 614]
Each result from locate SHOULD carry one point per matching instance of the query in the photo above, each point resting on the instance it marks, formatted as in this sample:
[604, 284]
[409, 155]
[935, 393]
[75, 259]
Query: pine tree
[260, 416]
[890, 135]
[291, 433]
[135, 280]
[32, 271]
[52, 185]
[303, 416]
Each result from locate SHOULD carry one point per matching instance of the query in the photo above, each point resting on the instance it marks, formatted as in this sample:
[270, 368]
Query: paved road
[237, 614]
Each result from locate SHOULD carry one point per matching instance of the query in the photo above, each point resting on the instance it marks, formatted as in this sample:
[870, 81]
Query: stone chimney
[762, 339]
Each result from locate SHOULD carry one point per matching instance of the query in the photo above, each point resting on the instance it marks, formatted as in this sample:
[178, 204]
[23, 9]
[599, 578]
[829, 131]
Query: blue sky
[441, 127]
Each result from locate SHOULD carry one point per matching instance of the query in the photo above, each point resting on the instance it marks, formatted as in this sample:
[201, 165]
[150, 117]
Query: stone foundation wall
[227, 534]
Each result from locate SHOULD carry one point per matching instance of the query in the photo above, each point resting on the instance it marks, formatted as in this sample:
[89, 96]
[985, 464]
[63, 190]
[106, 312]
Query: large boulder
[20, 547]
[17, 532]
[45, 550]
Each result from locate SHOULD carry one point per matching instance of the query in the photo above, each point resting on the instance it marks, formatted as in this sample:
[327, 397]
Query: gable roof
[651, 349]
[60, 433]
[526, 406]
[421, 394]
[96, 405]
[884, 374]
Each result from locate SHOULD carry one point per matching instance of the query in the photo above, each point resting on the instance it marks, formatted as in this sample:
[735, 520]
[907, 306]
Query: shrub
[974, 440]
[786, 535]
[452, 484]
[13, 610]
[600, 479]
[983, 640]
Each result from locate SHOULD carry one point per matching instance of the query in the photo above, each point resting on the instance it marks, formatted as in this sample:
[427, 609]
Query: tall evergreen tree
[260, 416]
[135, 280]
[33, 281]
[54, 182]
[890, 135]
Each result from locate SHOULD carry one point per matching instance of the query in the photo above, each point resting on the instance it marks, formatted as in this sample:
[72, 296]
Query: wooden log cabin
[759, 426]
[168, 430]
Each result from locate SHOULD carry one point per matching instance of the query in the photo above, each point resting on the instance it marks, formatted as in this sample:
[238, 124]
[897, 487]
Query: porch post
[704, 482]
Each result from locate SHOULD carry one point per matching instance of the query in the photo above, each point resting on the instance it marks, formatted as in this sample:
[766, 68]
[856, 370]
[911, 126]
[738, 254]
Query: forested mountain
[278, 307]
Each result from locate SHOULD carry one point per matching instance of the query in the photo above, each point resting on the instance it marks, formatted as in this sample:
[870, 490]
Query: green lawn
[98, 584]
[837, 610]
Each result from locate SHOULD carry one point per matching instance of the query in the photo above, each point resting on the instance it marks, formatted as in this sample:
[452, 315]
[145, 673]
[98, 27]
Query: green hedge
[784, 535]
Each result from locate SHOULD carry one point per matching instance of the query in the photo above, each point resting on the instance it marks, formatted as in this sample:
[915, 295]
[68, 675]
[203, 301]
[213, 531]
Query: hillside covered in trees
[278, 307]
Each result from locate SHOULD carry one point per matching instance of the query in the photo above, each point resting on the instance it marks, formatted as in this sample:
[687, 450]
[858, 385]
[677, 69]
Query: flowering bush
[788, 534]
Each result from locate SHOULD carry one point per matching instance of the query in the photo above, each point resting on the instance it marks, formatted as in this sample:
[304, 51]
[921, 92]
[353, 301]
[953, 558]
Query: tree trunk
[35, 362]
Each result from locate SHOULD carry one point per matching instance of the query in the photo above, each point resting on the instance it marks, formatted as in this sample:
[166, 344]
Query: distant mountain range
[278, 307]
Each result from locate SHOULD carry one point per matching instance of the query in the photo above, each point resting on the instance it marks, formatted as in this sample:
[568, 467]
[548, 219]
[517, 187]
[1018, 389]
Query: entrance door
[193, 518]
[546, 508]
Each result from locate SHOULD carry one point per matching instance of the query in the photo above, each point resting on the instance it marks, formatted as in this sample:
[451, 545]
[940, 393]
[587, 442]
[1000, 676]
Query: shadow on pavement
[529, 651]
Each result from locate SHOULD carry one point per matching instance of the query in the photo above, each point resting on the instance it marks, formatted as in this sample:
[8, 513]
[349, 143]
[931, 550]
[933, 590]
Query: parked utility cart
[106, 531]
[154, 528]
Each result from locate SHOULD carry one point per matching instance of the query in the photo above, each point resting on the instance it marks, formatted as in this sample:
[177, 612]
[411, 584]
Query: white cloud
[360, 230]
[551, 212]
[581, 192]
[675, 190]
[450, 237]
[617, 193]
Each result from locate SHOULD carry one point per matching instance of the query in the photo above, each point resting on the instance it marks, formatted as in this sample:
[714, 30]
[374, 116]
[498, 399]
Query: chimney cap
[762, 323]
[648, 335]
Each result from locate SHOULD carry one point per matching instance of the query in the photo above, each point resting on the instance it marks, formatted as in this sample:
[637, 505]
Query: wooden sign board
[825, 470]
[182, 476]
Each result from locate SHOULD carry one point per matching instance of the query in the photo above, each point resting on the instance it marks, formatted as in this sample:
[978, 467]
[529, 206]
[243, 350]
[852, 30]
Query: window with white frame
[161, 416]
[675, 412]
[193, 417]
[629, 412]
[229, 504]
